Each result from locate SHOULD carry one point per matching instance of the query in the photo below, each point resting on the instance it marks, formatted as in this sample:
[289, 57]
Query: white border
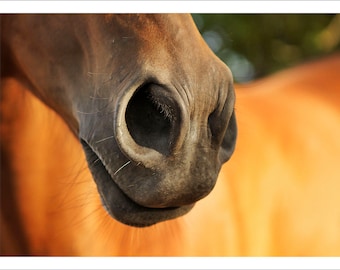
[170, 6]
[170, 263]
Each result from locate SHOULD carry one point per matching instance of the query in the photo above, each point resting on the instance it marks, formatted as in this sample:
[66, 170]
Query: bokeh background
[256, 45]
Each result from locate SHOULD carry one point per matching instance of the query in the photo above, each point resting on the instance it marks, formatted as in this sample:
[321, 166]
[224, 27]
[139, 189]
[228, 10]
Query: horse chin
[120, 206]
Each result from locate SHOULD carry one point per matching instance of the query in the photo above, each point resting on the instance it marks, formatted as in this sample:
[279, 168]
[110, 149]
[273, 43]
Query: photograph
[169, 138]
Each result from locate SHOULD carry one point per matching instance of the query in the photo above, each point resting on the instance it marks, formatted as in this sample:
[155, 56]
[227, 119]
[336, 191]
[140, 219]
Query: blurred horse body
[283, 179]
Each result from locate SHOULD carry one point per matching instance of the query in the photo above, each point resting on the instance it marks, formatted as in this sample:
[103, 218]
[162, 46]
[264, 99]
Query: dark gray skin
[152, 106]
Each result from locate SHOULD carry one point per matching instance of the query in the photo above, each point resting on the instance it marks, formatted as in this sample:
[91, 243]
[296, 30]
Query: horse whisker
[87, 112]
[127, 163]
[94, 162]
[92, 97]
[102, 140]
[89, 73]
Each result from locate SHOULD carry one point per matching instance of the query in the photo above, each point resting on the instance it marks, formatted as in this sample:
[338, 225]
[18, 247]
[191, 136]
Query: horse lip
[120, 206]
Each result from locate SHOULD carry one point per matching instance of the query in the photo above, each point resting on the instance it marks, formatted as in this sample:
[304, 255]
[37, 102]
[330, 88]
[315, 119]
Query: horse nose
[175, 160]
[150, 124]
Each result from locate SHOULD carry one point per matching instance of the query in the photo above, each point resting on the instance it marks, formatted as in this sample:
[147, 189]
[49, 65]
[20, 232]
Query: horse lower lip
[119, 205]
[98, 167]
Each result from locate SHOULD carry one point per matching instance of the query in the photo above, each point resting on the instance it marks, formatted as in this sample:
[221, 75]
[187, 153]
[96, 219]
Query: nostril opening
[150, 119]
[216, 124]
[223, 135]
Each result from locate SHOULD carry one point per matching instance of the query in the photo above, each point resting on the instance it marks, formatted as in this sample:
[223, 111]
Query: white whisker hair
[123, 166]
[104, 139]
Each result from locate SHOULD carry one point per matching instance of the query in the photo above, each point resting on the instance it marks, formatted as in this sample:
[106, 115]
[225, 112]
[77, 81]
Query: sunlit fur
[278, 195]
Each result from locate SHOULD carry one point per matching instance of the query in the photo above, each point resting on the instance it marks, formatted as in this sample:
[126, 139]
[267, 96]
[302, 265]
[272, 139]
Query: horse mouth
[118, 204]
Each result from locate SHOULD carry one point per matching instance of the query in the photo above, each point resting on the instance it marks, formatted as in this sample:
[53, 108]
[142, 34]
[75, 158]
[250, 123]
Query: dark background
[256, 45]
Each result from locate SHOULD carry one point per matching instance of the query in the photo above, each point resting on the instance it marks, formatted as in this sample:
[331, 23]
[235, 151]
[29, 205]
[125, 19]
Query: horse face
[151, 104]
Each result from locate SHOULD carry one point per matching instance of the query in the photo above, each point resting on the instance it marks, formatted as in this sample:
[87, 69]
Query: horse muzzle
[167, 161]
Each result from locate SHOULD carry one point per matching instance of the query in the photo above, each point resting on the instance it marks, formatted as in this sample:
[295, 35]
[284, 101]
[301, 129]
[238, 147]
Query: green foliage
[255, 45]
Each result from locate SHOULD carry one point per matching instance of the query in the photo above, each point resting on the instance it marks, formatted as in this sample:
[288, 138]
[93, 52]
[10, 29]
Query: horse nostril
[223, 128]
[229, 140]
[151, 118]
